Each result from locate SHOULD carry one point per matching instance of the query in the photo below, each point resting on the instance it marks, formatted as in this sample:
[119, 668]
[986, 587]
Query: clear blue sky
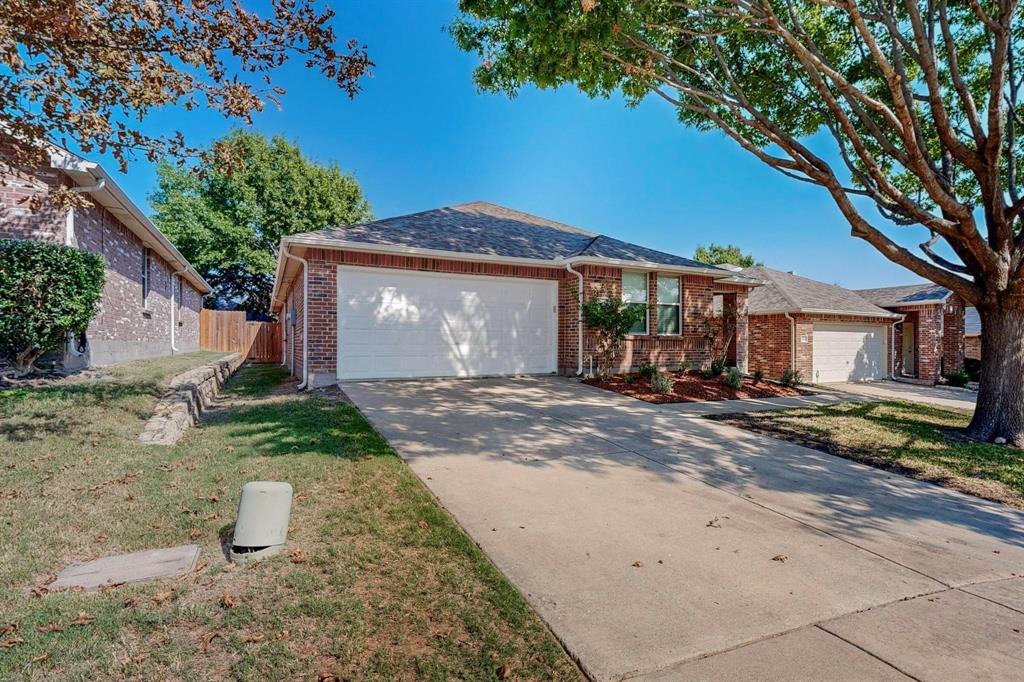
[420, 137]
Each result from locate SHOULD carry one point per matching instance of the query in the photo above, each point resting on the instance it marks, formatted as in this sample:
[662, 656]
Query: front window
[669, 321]
[634, 292]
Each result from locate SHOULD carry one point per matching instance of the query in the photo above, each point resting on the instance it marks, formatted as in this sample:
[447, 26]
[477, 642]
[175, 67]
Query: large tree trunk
[1000, 409]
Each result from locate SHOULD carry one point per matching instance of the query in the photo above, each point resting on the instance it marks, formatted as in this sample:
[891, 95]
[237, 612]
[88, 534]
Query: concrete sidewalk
[937, 396]
[663, 546]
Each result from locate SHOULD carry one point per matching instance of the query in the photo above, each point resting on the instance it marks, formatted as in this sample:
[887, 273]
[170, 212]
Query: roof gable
[786, 292]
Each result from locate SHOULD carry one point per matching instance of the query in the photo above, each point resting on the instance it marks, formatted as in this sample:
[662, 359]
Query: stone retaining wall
[190, 394]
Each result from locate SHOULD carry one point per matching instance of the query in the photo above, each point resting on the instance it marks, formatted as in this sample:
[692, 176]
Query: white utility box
[261, 529]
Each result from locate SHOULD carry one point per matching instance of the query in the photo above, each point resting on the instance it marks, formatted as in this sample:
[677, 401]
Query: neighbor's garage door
[848, 352]
[400, 324]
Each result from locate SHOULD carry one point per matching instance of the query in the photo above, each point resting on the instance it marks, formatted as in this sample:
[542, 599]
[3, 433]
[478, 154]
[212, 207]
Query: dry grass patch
[383, 585]
[910, 439]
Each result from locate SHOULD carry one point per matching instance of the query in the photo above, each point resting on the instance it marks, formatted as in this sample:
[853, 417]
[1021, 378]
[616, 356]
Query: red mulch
[692, 387]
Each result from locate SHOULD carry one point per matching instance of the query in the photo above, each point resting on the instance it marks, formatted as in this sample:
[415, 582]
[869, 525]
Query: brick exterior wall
[691, 347]
[938, 337]
[972, 347]
[770, 341]
[124, 328]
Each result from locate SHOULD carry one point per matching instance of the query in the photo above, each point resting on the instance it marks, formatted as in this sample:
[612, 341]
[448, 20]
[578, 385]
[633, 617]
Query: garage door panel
[395, 324]
[849, 352]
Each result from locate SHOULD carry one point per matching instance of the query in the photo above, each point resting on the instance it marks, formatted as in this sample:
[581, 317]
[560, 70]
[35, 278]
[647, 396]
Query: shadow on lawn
[28, 414]
[303, 425]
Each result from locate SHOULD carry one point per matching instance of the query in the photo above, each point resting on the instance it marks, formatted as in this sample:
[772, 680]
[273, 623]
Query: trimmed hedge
[47, 291]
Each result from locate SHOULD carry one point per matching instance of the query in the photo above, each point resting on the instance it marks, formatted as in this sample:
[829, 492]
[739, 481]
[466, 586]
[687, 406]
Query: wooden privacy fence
[227, 331]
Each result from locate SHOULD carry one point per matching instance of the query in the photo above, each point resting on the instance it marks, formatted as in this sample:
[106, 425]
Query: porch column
[738, 301]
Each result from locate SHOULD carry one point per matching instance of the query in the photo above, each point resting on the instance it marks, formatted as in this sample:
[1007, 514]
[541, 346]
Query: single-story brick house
[833, 334]
[929, 340]
[478, 289]
[972, 333]
[151, 294]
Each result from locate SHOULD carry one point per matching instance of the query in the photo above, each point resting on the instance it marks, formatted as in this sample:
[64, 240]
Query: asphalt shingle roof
[909, 294]
[483, 228]
[786, 292]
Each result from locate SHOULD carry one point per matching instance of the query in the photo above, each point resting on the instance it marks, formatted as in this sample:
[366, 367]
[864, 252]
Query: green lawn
[914, 440]
[386, 585]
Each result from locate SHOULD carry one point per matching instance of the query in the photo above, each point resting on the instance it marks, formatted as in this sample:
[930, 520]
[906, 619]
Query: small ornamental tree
[47, 291]
[611, 319]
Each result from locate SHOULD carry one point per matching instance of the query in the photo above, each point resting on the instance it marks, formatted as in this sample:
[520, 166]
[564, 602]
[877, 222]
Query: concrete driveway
[938, 396]
[662, 546]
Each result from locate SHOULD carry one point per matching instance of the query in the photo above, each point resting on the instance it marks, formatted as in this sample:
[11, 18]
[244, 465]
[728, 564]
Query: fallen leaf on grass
[130, 602]
[200, 566]
[421, 523]
[214, 516]
[257, 637]
[7, 628]
[40, 658]
[326, 677]
[11, 643]
[155, 526]
[780, 558]
[161, 597]
[196, 533]
[209, 637]
[503, 672]
[83, 619]
[297, 556]
[227, 601]
[101, 538]
[283, 634]
[55, 626]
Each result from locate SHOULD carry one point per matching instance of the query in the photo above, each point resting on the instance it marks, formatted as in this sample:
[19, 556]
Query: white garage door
[848, 352]
[399, 324]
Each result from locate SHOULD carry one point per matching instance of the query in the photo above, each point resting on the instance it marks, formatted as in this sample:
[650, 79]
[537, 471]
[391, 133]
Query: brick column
[953, 337]
[742, 340]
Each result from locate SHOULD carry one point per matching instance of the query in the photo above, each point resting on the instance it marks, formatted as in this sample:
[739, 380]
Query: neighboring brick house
[476, 290]
[826, 332]
[929, 340]
[151, 294]
[972, 334]
[832, 334]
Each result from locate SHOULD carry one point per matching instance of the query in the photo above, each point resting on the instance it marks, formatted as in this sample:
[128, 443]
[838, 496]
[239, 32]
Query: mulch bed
[692, 387]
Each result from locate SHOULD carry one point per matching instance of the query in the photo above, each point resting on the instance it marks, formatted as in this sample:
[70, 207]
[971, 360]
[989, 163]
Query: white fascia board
[72, 164]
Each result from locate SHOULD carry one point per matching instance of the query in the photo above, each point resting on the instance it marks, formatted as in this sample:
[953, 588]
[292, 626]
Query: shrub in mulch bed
[691, 387]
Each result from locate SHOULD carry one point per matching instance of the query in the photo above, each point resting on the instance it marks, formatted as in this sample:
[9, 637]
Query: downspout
[579, 318]
[174, 349]
[892, 348]
[792, 341]
[69, 224]
[305, 314]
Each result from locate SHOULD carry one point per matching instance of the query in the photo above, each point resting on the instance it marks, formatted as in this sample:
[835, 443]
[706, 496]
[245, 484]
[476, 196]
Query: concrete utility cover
[136, 567]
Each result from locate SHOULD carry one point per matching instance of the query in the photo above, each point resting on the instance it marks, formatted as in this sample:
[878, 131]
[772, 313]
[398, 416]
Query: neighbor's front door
[909, 367]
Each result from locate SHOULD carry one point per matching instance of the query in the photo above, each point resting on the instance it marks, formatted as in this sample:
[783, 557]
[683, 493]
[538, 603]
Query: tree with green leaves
[918, 100]
[47, 292]
[228, 223]
[717, 254]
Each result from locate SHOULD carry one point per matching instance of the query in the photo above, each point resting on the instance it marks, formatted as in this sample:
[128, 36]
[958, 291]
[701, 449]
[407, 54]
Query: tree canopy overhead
[919, 99]
[228, 225]
[717, 254]
[89, 71]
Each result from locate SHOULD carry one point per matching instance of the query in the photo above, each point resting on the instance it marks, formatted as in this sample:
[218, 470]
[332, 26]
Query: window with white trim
[145, 277]
[670, 321]
[634, 292]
